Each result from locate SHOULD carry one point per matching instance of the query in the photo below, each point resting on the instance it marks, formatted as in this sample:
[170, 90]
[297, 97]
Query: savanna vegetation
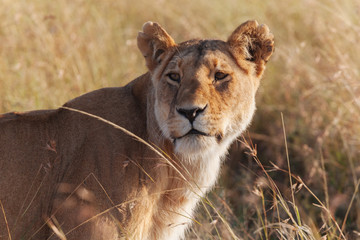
[307, 125]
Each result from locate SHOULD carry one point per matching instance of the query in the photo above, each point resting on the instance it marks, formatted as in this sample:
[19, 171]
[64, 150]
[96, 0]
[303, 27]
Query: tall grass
[52, 51]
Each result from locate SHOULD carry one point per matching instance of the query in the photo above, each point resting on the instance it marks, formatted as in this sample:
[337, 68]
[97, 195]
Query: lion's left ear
[153, 42]
[252, 42]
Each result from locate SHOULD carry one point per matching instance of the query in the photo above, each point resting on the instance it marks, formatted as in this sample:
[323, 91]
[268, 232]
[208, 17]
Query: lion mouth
[196, 132]
[193, 132]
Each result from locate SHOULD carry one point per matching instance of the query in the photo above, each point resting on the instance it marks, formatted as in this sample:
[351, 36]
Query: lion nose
[190, 114]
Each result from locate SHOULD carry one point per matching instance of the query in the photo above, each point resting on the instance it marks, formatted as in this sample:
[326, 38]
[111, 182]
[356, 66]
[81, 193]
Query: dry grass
[52, 51]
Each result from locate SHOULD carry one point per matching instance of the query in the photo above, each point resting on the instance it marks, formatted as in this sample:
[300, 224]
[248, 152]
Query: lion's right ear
[153, 41]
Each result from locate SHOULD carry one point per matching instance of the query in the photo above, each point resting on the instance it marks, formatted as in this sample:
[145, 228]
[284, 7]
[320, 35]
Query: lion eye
[174, 77]
[220, 76]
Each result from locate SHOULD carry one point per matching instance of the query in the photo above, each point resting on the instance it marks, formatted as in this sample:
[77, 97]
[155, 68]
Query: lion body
[68, 175]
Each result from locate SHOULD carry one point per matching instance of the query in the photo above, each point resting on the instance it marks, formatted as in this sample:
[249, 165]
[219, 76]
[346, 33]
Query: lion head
[205, 89]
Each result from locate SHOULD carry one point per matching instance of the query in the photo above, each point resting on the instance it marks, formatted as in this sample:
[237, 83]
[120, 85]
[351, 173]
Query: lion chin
[194, 145]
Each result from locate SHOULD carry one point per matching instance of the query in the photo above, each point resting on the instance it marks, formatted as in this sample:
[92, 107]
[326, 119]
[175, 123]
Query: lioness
[65, 174]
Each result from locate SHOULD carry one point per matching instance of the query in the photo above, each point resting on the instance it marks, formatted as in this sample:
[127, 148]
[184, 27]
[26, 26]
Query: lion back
[51, 158]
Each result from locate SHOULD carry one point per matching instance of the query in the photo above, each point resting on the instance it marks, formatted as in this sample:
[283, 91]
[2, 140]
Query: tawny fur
[70, 176]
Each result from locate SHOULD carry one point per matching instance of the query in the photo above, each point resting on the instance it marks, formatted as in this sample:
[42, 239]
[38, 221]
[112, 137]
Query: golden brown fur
[68, 175]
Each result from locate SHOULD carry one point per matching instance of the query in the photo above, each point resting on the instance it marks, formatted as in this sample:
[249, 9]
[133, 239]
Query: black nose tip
[190, 114]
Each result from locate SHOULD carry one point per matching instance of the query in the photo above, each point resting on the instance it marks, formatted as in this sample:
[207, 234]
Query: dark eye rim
[221, 77]
[173, 76]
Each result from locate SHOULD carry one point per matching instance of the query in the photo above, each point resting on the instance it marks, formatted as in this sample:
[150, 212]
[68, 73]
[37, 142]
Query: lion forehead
[200, 50]
[195, 57]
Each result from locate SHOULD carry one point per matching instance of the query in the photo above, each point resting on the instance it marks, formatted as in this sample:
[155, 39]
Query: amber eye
[174, 77]
[220, 76]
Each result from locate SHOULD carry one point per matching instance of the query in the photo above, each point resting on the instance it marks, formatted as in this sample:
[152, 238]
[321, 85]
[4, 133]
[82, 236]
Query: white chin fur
[194, 145]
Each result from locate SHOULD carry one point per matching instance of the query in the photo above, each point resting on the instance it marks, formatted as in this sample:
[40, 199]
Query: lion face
[205, 89]
[203, 98]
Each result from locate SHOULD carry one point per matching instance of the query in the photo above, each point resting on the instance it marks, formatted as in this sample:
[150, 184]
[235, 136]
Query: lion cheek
[161, 111]
[243, 119]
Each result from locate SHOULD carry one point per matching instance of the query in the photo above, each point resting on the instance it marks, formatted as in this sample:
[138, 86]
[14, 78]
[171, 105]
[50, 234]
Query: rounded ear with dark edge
[153, 42]
[252, 42]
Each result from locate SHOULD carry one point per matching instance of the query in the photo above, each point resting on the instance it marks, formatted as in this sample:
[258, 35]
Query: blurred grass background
[53, 51]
